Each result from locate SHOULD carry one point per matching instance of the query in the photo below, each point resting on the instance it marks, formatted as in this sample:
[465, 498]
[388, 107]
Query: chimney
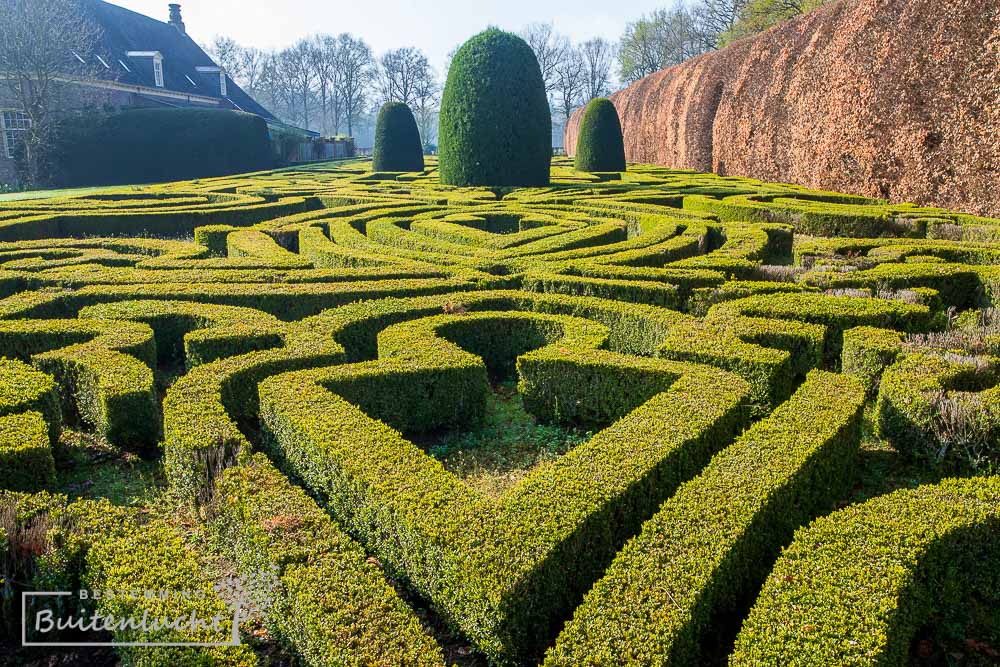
[175, 18]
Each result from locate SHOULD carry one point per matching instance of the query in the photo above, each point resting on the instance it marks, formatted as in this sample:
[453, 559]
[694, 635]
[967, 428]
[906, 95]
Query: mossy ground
[505, 448]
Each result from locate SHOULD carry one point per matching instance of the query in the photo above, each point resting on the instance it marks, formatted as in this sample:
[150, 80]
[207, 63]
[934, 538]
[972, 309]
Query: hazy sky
[436, 26]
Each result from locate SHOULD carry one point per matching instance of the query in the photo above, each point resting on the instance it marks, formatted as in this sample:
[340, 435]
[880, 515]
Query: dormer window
[223, 88]
[157, 64]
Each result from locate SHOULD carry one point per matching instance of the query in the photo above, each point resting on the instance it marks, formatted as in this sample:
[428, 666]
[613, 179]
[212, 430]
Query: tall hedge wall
[157, 145]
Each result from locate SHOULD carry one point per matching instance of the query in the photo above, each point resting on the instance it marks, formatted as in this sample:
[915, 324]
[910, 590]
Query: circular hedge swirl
[397, 140]
[599, 146]
[495, 127]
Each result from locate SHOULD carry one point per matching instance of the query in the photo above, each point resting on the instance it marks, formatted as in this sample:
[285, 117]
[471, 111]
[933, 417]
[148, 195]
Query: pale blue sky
[436, 26]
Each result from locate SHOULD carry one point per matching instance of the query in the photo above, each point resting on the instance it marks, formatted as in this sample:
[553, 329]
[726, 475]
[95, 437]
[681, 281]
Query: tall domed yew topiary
[397, 140]
[495, 128]
[599, 146]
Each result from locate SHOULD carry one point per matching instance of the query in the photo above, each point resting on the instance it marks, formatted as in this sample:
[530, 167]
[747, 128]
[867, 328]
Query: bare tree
[355, 68]
[324, 63]
[666, 37]
[550, 50]
[43, 47]
[599, 57]
[251, 68]
[276, 88]
[228, 55]
[426, 105]
[400, 73]
[244, 65]
[298, 64]
[716, 20]
[571, 81]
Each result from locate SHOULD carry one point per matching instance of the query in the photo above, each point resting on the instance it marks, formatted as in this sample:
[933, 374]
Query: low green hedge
[907, 414]
[958, 286]
[214, 237]
[709, 545]
[836, 313]
[189, 334]
[868, 351]
[154, 557]
[334, 607]
[103, 370]
[26, 462]
[769, 371]
[253, 243]
[633, 291]
[210, 397]
[505, 572]
[24, 389]
[855, 587]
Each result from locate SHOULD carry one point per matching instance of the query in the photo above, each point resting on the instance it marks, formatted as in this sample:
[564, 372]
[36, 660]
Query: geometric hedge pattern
[720, 337]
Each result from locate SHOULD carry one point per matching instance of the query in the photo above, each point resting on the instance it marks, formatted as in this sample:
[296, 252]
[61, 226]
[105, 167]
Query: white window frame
[12, 122]
[158, 72]
[222, 83]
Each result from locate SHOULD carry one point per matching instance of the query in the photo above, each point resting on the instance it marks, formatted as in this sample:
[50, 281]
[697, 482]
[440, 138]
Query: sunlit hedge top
[495, 126]
[397, 140]
[600, 146]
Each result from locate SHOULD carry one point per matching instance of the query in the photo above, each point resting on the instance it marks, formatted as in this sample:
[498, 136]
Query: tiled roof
[124, 31]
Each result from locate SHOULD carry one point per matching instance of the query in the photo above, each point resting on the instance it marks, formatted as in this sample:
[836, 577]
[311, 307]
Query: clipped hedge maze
[286, 343]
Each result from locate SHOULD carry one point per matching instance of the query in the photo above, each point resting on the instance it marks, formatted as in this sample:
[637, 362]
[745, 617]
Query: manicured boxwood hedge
[336, 312]
[103, 369]
[334, 606]
[868, 351]
[855, 587]
[26, 462]
[709, 545]
[504, 573]
[906, 413]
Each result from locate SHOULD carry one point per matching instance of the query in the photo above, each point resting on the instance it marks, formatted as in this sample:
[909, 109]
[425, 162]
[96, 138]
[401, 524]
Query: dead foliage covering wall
[897, 99]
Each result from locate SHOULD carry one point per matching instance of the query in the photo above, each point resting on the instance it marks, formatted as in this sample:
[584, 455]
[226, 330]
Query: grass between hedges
[505, 448]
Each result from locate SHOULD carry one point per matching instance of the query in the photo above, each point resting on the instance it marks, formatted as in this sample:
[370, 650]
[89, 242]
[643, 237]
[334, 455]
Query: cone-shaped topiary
[495, 128]
[599, 146]
[397, 140]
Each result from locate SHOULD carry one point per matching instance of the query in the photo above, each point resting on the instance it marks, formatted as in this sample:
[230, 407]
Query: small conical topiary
[599, 146]
[495, 127]
[397, 140]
